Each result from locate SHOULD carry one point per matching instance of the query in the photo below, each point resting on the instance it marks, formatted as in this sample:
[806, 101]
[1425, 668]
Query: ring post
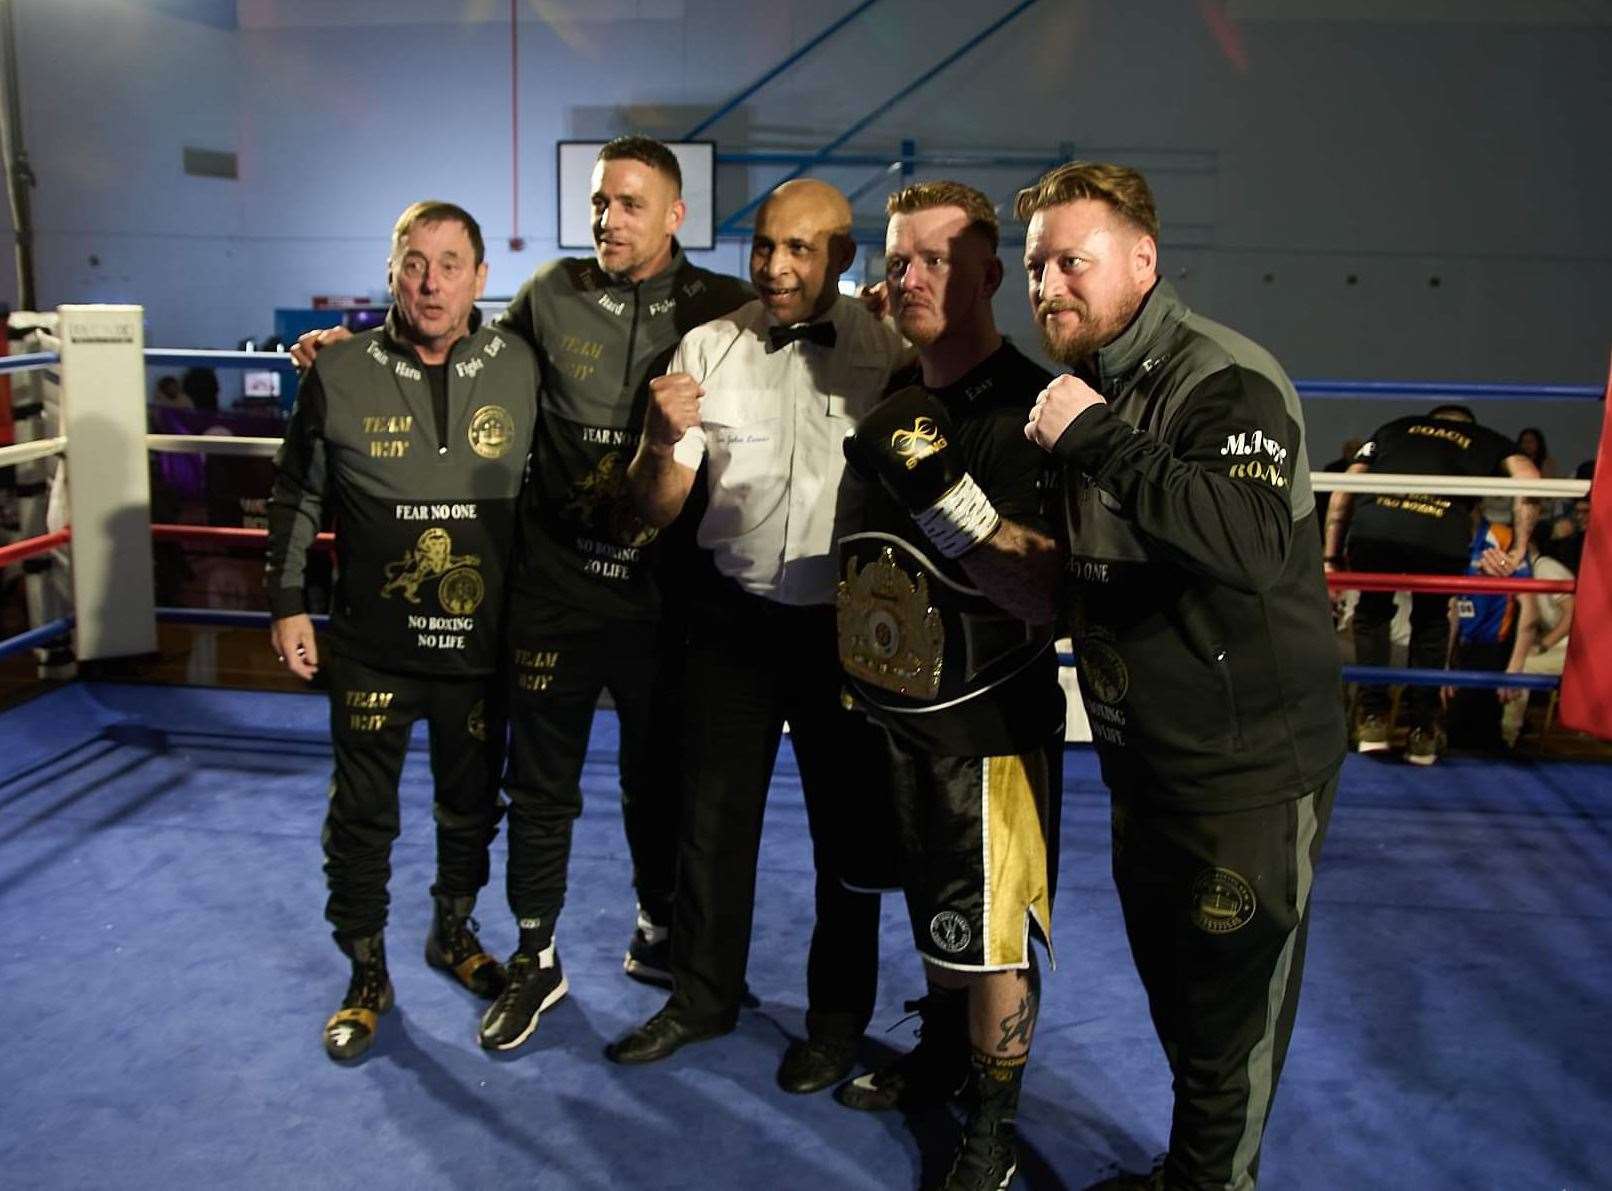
[109, 483]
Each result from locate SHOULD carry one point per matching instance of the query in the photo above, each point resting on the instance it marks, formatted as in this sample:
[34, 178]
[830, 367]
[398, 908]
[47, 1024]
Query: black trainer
[649, 953]
[932, 1073]
[452, 947]
[351, 1029]
[987, 1157]
[536, 982]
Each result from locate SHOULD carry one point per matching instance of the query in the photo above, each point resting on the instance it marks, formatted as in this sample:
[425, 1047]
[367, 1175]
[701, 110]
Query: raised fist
[674, 406]
[906, 442]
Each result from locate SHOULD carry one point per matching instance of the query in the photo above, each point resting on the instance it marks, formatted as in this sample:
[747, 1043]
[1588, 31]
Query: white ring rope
[213, 444]
[27, 452]
[1392, 483]
[1400, 484]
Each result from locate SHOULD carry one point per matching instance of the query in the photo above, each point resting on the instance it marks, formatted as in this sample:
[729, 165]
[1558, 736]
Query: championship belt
[921, 648]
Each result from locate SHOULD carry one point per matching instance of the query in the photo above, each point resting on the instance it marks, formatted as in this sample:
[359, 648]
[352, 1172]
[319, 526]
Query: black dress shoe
[812, 1064]
[660, 1037]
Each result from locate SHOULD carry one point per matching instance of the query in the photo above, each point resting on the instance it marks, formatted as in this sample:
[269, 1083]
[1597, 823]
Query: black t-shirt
[1427, 446]
[988, 407]
[436, 375]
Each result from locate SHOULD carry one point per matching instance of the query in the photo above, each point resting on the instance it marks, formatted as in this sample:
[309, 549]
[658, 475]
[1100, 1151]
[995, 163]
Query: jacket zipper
[1223, 668]
[632, 338]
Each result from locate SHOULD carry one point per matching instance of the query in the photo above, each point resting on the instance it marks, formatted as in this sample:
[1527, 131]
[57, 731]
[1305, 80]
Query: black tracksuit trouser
[555, 680]
[371, 714]
[1217, 912]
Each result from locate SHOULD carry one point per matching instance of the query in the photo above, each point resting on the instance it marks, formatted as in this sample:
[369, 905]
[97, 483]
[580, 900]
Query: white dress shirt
[771, 427]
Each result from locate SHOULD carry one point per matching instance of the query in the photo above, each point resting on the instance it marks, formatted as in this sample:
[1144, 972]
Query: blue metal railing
[821, 155]
[768, 77]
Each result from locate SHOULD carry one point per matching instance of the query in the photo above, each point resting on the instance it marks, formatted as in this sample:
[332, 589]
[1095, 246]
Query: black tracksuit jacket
[1198, 606]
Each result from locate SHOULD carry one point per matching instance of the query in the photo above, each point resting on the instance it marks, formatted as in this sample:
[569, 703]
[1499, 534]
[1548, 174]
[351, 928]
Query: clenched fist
[1059, 404]
[674, 406]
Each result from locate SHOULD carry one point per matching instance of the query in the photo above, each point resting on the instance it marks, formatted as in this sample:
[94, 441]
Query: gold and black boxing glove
[905, 443]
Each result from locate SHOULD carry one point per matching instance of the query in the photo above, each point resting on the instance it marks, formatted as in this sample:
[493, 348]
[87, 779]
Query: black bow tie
[820, 333]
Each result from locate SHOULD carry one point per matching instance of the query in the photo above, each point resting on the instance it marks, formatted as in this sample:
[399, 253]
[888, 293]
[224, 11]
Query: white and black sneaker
[536, 982]
[649, 953]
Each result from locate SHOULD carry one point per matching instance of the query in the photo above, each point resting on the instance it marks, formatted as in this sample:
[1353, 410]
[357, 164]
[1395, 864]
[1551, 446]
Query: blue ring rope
[1417, 388]
[49, 631]
[1418, 677]
[27, 361]
[223, 618]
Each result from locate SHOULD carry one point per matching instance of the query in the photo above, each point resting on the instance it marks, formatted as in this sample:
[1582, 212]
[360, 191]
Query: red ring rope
[1383, 581]
[31, 547]
[226, 534]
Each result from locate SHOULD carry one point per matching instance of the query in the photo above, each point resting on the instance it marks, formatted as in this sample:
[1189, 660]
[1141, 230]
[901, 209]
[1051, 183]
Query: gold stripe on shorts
[1015, 861]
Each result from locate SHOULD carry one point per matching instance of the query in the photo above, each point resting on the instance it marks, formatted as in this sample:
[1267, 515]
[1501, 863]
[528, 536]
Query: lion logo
[599, 500]
[431, 558]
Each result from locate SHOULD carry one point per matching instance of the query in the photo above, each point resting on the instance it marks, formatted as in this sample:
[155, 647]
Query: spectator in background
[1531, 442]
[1420, 533]
[1568, 549]
[201, 386]
[1351, 448]
[1554, 513]
[169, 393]
[1485, 627]
[1544, 621]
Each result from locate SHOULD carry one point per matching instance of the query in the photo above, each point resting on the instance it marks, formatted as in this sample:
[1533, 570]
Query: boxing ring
[166, 971]
[104, 354]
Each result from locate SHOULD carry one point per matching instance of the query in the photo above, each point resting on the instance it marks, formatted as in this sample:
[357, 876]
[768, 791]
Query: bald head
[811, 199]
[802, 245]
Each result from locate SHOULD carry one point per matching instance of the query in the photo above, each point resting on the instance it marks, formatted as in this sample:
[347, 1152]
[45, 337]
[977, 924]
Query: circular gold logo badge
[461, 591]
[1104, 670]
[1221, 901]
[476, 722]
[492, 431]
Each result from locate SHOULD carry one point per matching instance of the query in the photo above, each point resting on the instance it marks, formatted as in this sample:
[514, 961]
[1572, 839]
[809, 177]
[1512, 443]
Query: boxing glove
[905, 442]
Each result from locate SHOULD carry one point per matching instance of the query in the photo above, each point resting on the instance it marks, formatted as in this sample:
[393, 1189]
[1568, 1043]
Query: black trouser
[1430, 624]
[555, 680]
[371, 712]
[1474, 713]
[752, 664]
[1217, 911]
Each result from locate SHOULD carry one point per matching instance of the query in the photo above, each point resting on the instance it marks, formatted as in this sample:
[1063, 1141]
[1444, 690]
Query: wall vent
[209, 163]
